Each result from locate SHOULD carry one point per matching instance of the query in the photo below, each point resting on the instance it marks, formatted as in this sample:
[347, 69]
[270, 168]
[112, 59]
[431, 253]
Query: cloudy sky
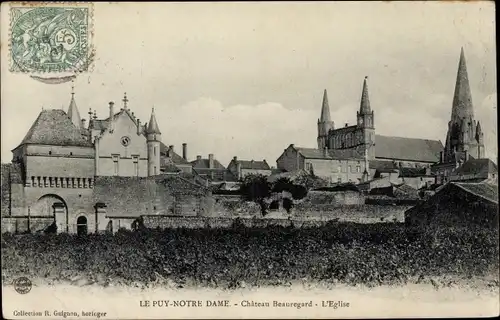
[247, 79]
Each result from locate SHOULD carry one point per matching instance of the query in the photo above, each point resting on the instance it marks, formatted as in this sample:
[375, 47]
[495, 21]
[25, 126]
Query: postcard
[249, 160]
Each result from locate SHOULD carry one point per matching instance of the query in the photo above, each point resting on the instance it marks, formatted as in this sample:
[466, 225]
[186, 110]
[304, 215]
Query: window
[154, 151]
[136, 165]
[339, 168]
[308, 166]
[358, 169]
[115, 164]
[350, 169]
[339, 179]
[155, 171]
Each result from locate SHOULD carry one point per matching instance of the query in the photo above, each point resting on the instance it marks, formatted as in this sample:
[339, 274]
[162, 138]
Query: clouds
[247, 79]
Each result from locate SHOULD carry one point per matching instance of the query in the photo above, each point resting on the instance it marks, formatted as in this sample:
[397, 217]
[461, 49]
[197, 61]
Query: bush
[350, 253]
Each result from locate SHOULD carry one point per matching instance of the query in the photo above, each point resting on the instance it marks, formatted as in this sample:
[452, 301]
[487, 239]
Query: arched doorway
[44, 207]
[81, 225]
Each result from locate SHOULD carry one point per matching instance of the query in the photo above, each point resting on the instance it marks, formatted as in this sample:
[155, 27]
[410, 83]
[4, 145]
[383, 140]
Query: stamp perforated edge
[91, 48]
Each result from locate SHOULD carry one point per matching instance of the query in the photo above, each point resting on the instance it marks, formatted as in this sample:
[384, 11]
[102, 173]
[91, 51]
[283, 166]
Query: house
[458, 204]
[417, 177]
[212, 170]
[241, 168]
[335, 166]
[475, 170]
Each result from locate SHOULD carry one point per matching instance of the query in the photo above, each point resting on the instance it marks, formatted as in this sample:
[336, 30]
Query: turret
[73, 113]
[325, 123]
[153, 136]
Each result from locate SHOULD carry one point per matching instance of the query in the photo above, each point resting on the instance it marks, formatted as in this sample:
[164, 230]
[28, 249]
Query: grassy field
[343, 253]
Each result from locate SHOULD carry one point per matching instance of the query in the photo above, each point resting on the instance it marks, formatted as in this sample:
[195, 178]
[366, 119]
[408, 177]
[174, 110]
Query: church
[97, 175]
[355, 153]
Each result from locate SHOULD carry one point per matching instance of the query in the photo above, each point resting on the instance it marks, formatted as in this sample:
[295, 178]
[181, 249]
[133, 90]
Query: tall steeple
[73, 113]
[325, 109]
[153, 136]
[463, 132]
[364, 107]
[325, 123]
[462, 99]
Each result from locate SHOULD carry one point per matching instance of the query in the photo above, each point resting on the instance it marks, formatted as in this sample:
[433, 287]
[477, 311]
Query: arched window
[81, 225]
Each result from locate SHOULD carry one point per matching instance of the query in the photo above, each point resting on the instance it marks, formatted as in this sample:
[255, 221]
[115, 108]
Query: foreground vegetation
[338, 252]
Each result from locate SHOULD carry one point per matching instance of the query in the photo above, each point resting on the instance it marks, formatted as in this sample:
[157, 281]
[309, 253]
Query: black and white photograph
[251, 160]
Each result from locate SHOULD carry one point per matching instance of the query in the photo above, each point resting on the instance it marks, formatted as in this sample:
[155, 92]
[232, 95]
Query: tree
[256, 188]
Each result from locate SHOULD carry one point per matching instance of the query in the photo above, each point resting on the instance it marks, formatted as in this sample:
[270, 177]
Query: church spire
[325, 109]
[462, 99]
[73, 113]
[364, 107]
[153, 126]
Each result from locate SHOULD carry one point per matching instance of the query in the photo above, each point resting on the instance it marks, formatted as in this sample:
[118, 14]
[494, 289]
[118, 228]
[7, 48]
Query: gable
[111, 142]
[409, 149]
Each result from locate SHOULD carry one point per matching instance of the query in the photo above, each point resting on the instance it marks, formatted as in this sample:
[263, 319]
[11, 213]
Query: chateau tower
[464, 133]
[366, 122]
[73, 113]
[153, 136]
[325, 123]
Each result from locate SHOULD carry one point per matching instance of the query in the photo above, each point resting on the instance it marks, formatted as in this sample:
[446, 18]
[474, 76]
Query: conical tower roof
[73, 113]
[153, 125]
[364, 106]
[462, 99]
[325, 109]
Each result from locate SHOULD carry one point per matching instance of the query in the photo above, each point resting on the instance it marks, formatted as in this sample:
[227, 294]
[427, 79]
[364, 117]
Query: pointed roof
[462, 98]
[364, 106]
[153, 126]
[73, 113]
[479, 131]
[54, 127]
[325, 109]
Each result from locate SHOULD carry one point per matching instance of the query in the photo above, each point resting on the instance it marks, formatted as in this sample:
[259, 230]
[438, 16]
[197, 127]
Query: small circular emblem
[125, 141]
[22, 285]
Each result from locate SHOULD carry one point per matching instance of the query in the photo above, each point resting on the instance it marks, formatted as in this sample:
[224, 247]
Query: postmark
[22, 285]
[50, 37]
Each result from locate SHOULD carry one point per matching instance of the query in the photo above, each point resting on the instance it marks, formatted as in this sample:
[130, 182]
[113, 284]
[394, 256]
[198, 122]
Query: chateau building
[63, 170]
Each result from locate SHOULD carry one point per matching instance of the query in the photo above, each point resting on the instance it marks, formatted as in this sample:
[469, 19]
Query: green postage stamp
[50, 37]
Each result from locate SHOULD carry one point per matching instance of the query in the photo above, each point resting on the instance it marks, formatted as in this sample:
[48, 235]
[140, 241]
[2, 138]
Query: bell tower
[325, 123]
[366, 123]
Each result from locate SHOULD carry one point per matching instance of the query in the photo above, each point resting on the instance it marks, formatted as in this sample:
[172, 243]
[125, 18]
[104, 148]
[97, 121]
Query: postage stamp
[50, 37]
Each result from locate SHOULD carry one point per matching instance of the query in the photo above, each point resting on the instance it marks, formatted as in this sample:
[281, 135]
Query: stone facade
[242, 168]
[335, 166]
[87, 178]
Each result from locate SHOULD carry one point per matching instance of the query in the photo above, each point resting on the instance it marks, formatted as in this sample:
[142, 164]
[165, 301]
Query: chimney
[198, 158]
[325, 151]
[346, 124]
[171, 147]
[184, 151]
[111, 115]
[83, 123]
[235, 158]
[211, 161]
[138, 127]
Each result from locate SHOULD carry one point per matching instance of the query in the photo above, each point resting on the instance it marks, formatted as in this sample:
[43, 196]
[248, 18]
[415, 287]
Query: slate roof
[205, 164]
[253, 164]
[414, 172]
[54, 127]
[476, 166]
[311, 153]
[176, 159]
[486, 191]
[383, 165]
[409, 149]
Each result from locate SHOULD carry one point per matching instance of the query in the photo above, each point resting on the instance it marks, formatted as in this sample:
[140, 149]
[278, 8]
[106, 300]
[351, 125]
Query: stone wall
[20, 224]
[355, 213]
